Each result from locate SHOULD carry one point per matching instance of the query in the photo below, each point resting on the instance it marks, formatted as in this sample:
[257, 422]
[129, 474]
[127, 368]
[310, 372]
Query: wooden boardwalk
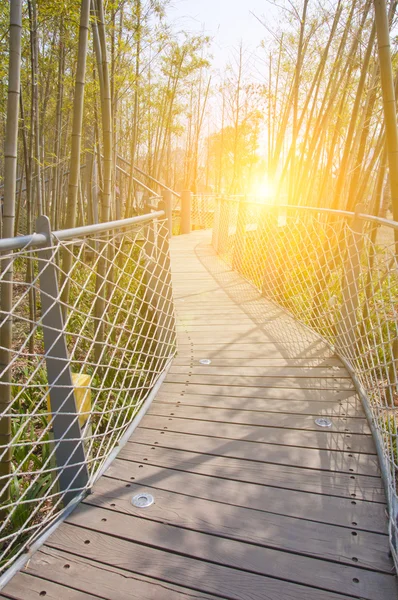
[253, 500]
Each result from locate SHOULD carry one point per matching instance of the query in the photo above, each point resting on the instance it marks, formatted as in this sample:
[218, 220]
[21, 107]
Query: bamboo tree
[134, 136]
[389, 102]
[35, 125]
[10, 176]
[390, 117]
[78, 104]
[106, 113]
[296, 86]
[74, 169]
[106, 106]
[58, 126]
[29, 217]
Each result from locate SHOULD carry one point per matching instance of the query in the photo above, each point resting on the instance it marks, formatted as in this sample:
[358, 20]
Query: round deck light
[323, 422]
[142, 500]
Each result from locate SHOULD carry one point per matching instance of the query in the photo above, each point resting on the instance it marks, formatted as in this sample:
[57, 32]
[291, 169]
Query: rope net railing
[89, 344]
[338, 274]
[176, 214]
[202, 211]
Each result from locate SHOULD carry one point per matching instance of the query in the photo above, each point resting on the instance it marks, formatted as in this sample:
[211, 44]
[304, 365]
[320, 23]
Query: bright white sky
[227, 21]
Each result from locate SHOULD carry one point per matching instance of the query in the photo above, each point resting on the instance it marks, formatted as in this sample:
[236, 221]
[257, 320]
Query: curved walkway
[253, 500]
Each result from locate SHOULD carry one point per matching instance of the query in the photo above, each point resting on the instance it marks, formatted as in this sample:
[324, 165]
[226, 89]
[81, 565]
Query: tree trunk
[74, 169]
[58, 125]
[10, 176]
[389, 103]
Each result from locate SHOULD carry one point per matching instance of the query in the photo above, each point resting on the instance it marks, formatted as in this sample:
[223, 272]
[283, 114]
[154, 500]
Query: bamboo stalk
[106, 113]
[74, 170]
[389, 103]
[10, 176]
[390, 118]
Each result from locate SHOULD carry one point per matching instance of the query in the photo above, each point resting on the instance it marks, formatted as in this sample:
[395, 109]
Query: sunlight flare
[265, 190]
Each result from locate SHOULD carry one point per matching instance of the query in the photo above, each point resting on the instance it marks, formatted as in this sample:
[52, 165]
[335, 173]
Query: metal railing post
[216, 224]
[186, 201]
[347, 326]
[159, 312]
[164, 291]
[271, 270]
[239, 242]
[223, 230]
[68, 441]
[167, 207]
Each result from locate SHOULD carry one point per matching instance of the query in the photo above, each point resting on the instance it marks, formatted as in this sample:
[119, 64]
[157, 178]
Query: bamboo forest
[198, 299]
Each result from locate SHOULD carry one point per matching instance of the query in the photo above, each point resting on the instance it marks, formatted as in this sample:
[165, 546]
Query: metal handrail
[317, 209]
[159, 183]
[36, 240]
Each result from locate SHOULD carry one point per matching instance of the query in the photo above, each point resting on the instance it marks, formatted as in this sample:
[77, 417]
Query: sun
[265, 190]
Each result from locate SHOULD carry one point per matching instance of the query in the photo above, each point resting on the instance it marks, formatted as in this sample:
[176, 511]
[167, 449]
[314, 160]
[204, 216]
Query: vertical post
[159, 306]
[223, 230]
[271, 251]
[68, 441]
[186, 201]
[239, 242]
[216, 223]
[164, 293]
[167, 207]
[346, 330]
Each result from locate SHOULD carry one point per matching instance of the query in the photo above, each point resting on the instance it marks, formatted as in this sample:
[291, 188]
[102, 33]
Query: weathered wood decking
[252, 499]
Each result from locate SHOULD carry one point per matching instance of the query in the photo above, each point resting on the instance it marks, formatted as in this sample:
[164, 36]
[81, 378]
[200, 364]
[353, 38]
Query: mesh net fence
[202, 211]
[117, 335]
[337, 273]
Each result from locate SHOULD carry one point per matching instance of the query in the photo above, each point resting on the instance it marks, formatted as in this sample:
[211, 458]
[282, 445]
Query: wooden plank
[215, 328]
[265, 529]
[248, 351]
[351, 407]
[309, 458]
[233, 553]
[283, 476]
[259, 392]
[245, 299]
[200, 575]
[235, 326]
[220, 319]
[242, 294]
[193, 275]
[106, 581]
[270, 361]
[259, 317]
[208, 308]
[258, 419]
[273, 371]
[202, 309]
[27, 587]
[257, 335]
[326, 440]
[254, 337]
[323, 383]
[301, 505]
[265, 350]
